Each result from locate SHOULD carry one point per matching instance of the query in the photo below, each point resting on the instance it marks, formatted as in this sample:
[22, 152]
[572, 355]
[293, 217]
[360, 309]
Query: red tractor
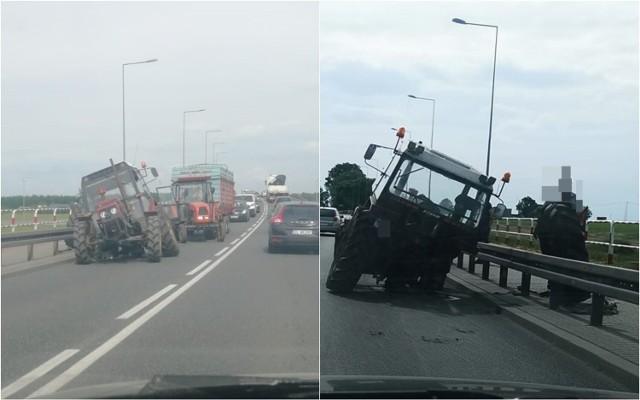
[197, 209]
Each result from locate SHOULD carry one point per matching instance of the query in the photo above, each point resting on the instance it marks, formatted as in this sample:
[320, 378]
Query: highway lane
[245, 311]
[455, 335]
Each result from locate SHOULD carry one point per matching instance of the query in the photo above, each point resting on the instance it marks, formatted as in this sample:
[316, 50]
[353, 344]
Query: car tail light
[278, 219]
[336, 218]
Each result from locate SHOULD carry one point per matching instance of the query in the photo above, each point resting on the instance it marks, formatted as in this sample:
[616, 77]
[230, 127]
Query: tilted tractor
[430, 208]
[117, 216]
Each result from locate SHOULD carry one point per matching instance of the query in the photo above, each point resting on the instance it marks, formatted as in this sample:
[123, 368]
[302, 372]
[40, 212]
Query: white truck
[276, 187]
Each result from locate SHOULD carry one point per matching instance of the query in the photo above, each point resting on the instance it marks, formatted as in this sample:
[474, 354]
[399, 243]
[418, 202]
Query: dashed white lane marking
[244, 233]
[145, 303]
[221, 252]
[38, 372]
[198, 268]
[76, 369]
[235, 241]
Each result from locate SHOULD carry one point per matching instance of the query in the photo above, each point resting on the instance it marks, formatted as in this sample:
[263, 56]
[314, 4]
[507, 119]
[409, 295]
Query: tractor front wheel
[356, 245]
[170, 247]
[153, 239]
[81, 244]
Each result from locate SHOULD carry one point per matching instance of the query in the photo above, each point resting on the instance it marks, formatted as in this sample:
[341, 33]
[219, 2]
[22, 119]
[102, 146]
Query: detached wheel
[560, 235]
[355, 247]
[170, 247]
[81, 245]
[153, 239]
[182, 233]
[222, 231]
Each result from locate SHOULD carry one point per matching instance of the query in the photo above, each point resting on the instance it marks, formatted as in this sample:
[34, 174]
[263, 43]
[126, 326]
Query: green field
[626, 234]
[26, 217]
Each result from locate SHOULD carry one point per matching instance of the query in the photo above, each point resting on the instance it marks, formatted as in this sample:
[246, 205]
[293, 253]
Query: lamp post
[205, 143]
[495, 53]
[216, 155]
[124, 153]
[213, 150]
[23, 193]
[433, 119]
[184, 113]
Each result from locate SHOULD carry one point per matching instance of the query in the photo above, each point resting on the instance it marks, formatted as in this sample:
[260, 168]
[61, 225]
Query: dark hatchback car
[294, 224]
[240, 211]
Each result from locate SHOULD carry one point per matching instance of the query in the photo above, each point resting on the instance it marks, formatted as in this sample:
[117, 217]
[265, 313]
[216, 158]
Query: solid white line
[198, 268]
[145, 303]
[38, 372]
[107, 346]
[221, 251]
[234, 242]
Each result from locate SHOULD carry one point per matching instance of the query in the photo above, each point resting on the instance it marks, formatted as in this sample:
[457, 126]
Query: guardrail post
[35, 220]
[485, 270]
[531, 234]
[461, 260]
[55, 248]
[472, 263]
[526, 284]
[610, 251]
[13, 220]
[29, 252]
[504, 271]
[519, 231]
[597, 309]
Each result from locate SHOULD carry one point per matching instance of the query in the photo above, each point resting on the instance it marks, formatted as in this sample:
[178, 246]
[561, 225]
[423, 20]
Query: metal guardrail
[600, 280]
[29, 239]
[532, 223]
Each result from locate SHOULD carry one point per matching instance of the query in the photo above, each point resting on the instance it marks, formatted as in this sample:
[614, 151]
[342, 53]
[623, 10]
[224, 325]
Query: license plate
[301, 232]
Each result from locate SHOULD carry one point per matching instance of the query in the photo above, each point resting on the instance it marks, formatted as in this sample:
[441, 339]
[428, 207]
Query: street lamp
[23, 193]
[184, 113]
[124, 154]
[216, 155]
[433, 119]
[495, 53]
[205, 143]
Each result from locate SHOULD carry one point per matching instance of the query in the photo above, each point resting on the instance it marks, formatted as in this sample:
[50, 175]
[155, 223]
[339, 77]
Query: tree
[347, 186]
[528, 208]
[324, 198]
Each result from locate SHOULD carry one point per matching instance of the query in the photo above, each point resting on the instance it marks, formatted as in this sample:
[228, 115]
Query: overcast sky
[566, 89]
[252, 66]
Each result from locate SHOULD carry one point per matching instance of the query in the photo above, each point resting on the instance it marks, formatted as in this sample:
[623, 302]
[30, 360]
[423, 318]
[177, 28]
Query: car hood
[418, 387]
[305, 385]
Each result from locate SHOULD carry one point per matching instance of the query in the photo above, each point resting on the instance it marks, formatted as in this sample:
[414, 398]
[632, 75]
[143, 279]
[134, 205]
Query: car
[329, 219]
[281, 199]
[294, 224]
[345, 215]
[240, 211]
[251, 202]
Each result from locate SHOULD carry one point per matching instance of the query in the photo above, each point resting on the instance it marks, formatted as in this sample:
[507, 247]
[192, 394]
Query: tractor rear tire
[81, 245]
[170, 247]
[355, 247]
[153, 240]
[227, 222]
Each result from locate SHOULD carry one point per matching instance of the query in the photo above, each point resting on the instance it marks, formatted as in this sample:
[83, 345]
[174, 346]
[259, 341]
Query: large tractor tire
[170, 247]
[153, 239]
[560, 235]
[81, 242]
[355, 246]
[227, 223]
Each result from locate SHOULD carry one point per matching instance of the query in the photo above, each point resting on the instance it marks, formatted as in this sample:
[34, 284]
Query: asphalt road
[450, 335]
[243, 311]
